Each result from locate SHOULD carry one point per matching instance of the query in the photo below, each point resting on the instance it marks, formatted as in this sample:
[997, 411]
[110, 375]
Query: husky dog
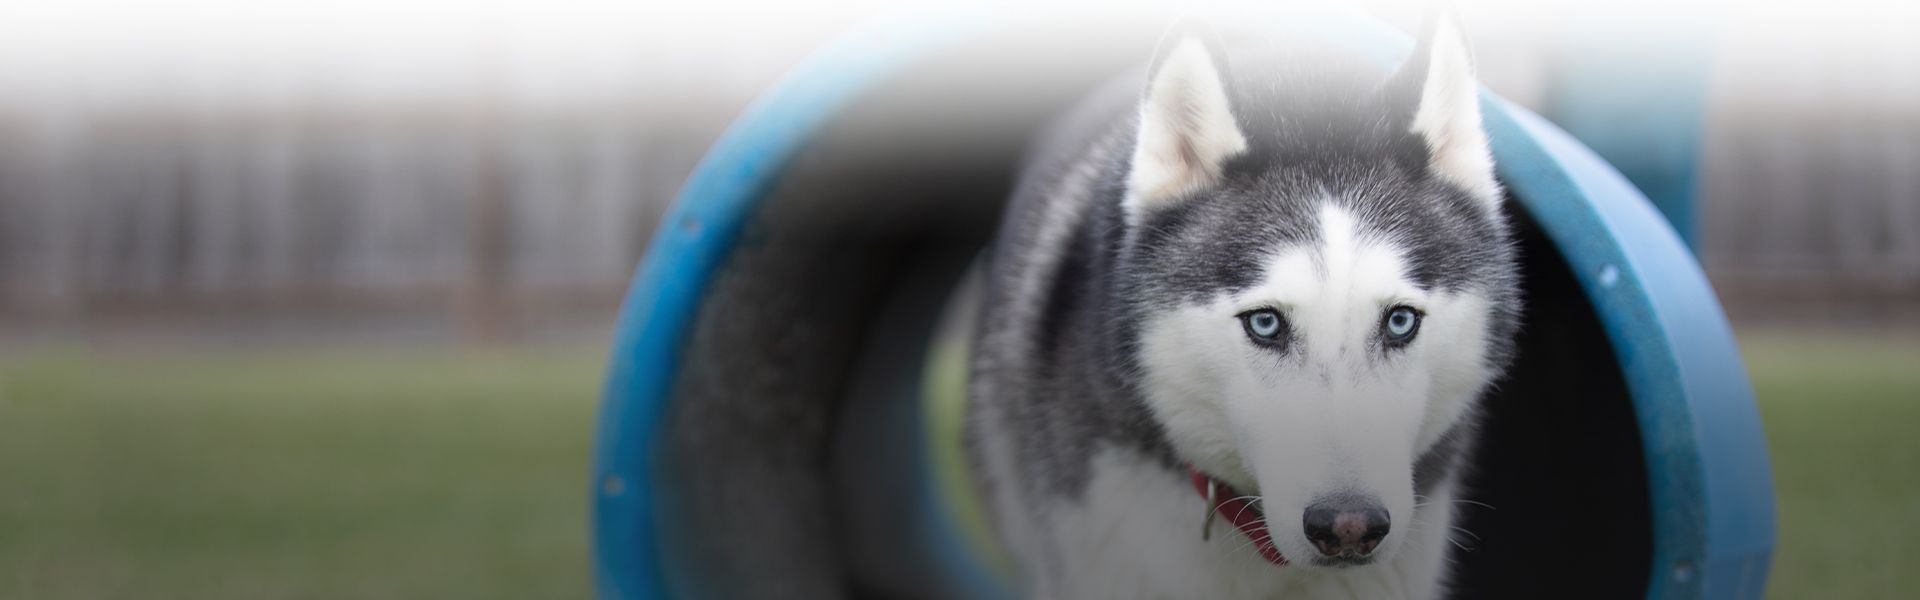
[1235, 329]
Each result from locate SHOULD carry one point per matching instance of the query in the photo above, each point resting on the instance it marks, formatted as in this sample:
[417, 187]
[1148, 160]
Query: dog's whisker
[1476, 537]
[1249, 544]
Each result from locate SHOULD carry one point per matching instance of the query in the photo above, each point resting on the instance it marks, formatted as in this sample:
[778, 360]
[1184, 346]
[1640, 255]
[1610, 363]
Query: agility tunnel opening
[780, 399]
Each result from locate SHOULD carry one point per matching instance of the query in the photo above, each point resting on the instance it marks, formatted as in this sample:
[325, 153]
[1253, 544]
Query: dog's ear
[1187, 128]
[1446, 107]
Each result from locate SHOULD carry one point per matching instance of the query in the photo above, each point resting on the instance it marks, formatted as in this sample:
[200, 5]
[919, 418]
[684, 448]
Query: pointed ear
[1187, 129]
[1447, 115]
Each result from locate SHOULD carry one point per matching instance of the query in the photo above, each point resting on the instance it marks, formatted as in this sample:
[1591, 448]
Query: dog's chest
[1135, 533]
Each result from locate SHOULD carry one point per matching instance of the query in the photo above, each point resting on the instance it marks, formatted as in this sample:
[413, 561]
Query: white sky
[209, 52]
[268, 48]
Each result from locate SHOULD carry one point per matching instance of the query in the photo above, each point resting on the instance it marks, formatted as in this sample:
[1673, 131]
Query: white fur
[1135, 534]
[1334, 414]
[1449, 116]
[1187, 130]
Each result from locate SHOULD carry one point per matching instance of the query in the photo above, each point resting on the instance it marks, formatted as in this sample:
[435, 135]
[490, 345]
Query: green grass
[463, 474]
[1841, 416]
[383, 475]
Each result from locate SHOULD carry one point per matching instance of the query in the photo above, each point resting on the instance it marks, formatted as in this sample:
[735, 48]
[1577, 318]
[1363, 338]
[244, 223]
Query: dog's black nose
[1346, 526]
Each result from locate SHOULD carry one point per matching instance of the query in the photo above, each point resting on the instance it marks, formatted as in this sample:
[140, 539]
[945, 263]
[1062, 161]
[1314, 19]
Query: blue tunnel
[813, 259]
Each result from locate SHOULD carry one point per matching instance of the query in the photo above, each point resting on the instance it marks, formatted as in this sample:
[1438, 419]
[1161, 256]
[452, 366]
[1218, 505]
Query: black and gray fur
[1056, 373]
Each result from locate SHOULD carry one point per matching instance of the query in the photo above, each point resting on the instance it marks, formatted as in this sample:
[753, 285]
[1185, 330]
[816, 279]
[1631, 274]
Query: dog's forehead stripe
[1221, 245]
[1346, 264]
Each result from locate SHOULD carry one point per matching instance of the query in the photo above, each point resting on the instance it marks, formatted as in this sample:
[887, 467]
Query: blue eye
[1264, 326]
[1400, 324]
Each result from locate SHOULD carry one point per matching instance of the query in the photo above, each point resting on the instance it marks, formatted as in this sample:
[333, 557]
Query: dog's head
[1321, 279]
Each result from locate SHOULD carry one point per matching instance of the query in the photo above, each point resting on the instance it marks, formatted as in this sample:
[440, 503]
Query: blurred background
[312, 299]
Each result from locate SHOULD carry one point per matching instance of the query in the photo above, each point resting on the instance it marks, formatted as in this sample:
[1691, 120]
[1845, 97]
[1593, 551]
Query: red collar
[1228, 504]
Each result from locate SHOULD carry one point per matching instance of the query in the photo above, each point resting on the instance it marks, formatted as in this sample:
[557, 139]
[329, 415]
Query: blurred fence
[318, 209]
[1810, 186]
[485, 209]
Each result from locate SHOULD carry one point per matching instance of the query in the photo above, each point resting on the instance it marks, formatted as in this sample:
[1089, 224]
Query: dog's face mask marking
[1320, 385]
[1318, 292]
